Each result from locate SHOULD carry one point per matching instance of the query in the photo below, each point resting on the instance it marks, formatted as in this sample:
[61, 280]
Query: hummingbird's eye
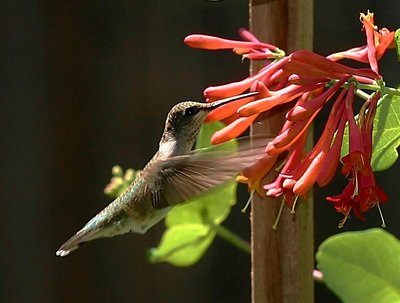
[190, 111]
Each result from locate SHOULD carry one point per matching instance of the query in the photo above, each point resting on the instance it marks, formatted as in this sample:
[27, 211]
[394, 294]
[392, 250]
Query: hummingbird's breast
[135, 208]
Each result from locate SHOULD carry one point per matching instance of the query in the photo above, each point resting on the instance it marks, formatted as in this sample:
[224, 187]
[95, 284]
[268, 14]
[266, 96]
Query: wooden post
[282, 259]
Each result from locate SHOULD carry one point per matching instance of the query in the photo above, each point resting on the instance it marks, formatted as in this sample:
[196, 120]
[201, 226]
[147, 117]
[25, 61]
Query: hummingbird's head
[185, 119]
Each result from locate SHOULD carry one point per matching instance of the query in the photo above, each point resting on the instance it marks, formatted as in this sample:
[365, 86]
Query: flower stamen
[246, 206]
[383, 225]
[346, 216]
[293, 210]
[278, 217]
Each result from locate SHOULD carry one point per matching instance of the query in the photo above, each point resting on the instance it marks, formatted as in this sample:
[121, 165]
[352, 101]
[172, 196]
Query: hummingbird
[173, 176]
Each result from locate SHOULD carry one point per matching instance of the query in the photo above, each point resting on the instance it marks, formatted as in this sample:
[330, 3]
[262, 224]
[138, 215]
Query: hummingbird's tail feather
[81, 237]
[110, 222]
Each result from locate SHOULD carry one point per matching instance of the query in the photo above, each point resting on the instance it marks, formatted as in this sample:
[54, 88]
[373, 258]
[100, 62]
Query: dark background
[86, 85]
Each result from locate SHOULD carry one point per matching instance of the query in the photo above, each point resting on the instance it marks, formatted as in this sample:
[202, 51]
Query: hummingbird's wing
[182, 178]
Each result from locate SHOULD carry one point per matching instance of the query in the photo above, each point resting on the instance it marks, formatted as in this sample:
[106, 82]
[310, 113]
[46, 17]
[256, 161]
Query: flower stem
[390, 91]
[384, 89]
[232, 238]
[373, 87]
[362, 94]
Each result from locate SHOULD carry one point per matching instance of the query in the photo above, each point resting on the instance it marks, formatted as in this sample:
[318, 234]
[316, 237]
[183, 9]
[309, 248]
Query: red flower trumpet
[308, 82]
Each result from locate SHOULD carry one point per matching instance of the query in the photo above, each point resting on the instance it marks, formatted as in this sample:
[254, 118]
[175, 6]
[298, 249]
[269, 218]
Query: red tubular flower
[255, 174]
[277, 81]
[305, 174]
[312, 65]
[315, 160]
[285, 95]
[332, 159]
[359, 54]
[277, 188]
[359, 195]
[305, 110]
[214, 43]
[386, 40]
[213, 93]
[369, 196]
[252, 55]
[309, 175]
[232, 130]
[287, 137]
[308, 81]
[345, 202]
[357, 164]
[292, 130]
[369, 193]
[368, 21]
[223, 91]
[227, 110]
[355, 160]
[366, 120]
[247, 35]
[377, 43]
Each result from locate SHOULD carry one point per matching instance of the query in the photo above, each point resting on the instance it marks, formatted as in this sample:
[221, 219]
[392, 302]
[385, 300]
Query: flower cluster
[309, 82]
[120, 180]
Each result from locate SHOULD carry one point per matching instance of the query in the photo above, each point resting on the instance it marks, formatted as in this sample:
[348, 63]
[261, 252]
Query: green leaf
[386, 134]
[212, 208]
[397, 39]
[345, 143]
[191, 226]
[204, 138]
[183, 245]
[362, 266]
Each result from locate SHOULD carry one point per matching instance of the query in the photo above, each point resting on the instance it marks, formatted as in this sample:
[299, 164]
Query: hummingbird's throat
[167, 148]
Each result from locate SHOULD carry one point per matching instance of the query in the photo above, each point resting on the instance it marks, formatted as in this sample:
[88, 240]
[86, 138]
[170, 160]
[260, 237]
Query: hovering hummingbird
[174, 175]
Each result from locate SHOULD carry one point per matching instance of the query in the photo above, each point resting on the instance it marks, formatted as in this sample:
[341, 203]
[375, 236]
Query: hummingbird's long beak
[218, 103]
